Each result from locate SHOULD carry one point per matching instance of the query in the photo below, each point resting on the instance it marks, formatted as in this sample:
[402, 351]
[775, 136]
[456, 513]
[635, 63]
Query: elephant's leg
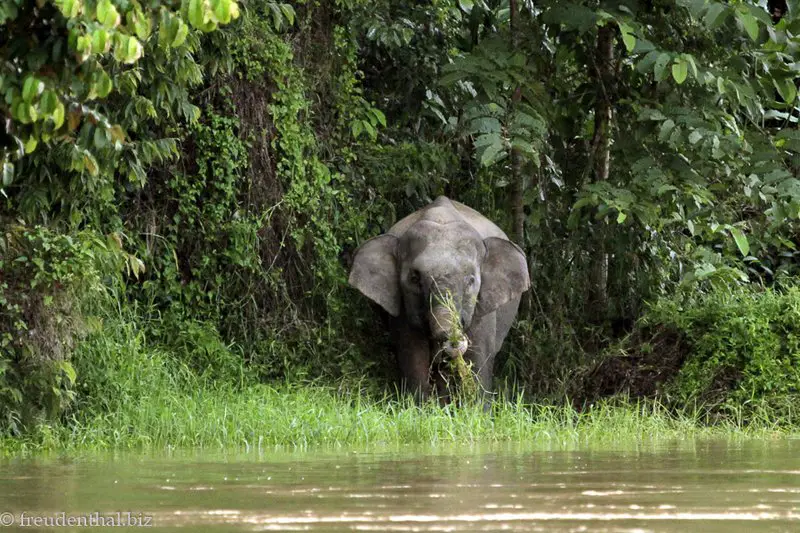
[482, 349]
[413, 358]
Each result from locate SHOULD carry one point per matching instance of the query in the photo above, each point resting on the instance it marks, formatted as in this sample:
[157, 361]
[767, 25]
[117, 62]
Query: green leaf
[759, 13]
[749, 23]
[90, 163]
[491, 154]
[48, 102]
[30, 145]
[135, 265]
[741, 240]
[127, 49]
[486, 139]
[660, 67]
[31, 88]
[140, 22]
[120, 47]
[721, 85]
[201, 17]
[117, 135]
[107, 14]
[689, 58]
[666, 128]
[70, 8]
[716, 15]
[288, 13]
[466, 5]
[222, 10]
[379, 116]
[101, 42]
[277, 16]
[651, 114]
[629, 40]
[133, 51]
[523, 145]
[165, 31]
[104, 85]
[196, 13]
[100, 138]
[27, 113]
[452, 77]
[370, 129]
[181, 32]
[485, 125]
[621, 217]
[627, 36]
[586, 200]
[102, 10]
[696, 7]
[786, 89]
[8, 173]
[647, 62]
[69, 370]
[83, 45]
[680, 70]
[571, 14]
[58, 115]
[357, 128]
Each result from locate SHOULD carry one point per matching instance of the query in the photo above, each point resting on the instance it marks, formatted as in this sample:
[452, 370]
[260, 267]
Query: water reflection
[687, 486]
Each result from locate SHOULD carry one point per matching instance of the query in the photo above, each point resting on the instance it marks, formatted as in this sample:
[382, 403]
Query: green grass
[133, 396]
[297, 417]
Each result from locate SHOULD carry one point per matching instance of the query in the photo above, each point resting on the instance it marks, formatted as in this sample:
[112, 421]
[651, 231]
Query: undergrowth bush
[741, 353]
[46, 277]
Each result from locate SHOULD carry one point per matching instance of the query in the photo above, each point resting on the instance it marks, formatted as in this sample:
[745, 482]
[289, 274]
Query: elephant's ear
[375, 272]
[504, 274]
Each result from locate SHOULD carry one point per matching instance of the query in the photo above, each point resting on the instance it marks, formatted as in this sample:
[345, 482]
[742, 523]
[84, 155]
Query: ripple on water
[722, 488]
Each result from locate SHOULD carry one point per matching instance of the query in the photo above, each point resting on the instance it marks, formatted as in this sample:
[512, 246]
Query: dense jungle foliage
[184, 184]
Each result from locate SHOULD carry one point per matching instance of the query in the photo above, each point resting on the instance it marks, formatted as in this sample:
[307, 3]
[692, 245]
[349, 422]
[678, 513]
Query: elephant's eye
[470, 281]
[414, 277]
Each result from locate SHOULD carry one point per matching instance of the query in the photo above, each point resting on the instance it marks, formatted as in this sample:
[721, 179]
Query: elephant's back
[444, 211]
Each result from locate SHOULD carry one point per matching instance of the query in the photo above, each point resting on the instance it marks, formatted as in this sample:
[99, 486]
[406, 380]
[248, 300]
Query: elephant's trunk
[447, 328]
[441, 322]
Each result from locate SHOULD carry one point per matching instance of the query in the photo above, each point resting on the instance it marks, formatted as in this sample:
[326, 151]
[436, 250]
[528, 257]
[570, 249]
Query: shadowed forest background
[184, 184]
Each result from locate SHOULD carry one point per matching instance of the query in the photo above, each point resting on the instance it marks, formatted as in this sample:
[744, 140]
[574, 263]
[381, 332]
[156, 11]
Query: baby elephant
[443, 263]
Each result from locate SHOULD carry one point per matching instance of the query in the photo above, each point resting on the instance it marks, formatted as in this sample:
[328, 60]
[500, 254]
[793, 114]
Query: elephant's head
[440, 257]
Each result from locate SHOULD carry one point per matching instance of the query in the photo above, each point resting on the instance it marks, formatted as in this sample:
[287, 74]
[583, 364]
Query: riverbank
[720, 367]
[304, 417]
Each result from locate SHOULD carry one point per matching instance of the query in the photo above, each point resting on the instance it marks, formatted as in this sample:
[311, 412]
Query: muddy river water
[708, 486]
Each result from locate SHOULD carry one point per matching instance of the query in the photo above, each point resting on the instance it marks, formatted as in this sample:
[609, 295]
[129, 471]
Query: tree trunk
[601, 157]
[517, 191]
[517, 177]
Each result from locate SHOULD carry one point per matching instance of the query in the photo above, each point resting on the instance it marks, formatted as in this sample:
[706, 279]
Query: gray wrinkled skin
[445, 248]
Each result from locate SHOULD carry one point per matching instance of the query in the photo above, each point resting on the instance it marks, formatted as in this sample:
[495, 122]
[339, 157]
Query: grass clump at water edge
[298, 417]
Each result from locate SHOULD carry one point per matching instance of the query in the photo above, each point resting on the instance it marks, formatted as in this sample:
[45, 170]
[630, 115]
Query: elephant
[442, 263]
